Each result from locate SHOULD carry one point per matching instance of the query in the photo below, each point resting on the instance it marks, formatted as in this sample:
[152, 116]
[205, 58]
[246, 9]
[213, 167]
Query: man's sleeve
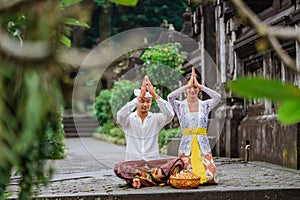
[125, 111]
[166, 109]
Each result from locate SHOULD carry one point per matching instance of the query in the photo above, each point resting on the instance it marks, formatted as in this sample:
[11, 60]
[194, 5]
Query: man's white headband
[137, 92]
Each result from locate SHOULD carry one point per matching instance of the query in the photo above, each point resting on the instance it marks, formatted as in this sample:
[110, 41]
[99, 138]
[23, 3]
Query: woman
[192, 114]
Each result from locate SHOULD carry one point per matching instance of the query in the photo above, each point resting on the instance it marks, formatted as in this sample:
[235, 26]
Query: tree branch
[281, 54]
[8, 4]
[270, 33]
[28, 50]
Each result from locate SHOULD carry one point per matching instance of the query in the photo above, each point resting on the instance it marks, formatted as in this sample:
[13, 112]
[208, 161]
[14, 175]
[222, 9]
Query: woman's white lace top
[189, 119]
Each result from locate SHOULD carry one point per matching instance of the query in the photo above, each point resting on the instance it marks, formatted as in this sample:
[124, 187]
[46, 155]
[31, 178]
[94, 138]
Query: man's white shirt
[142, 138]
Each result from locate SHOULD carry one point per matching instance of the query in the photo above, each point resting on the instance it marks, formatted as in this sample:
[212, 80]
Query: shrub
[117, 132]
[162, 63]
[55, 139]
[121, 94]
[109, 101]
[103, 107]
[166, 134]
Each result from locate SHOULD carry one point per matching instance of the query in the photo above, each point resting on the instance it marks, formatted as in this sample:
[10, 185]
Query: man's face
[144, 105]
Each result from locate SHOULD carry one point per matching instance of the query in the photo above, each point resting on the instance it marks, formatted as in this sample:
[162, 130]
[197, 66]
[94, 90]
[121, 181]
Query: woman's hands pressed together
[193, 82]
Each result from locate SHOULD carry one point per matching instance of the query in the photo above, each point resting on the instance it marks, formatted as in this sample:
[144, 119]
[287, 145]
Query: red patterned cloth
[209, 166]
[150, 173]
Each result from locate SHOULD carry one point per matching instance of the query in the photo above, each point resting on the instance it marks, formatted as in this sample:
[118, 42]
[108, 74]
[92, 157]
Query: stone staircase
[85, 126]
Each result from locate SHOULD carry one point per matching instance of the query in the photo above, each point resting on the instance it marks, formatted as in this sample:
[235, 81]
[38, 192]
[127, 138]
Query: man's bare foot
[157, 172]
[136, 183]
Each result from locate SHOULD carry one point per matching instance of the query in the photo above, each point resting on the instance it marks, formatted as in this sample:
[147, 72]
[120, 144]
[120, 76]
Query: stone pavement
[87, 173]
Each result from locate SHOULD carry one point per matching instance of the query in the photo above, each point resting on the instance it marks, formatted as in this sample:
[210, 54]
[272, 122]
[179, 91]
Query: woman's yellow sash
[196, 159]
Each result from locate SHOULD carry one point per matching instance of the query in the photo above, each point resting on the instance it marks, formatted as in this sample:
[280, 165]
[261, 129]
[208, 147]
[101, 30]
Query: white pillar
[283, 76]
[203, 52]
[220, 50]
[267, 69]
[222, 46]
[233, 56]
[297, 75]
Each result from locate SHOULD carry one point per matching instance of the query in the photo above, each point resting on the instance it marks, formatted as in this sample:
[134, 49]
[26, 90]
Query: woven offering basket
[185, 180]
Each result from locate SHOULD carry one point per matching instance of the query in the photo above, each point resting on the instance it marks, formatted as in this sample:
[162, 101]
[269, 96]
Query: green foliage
[116, 135]
[66, 41]
[122, 93]
[112, 139]
[111, 133]
[148, 14]
[106, 127]
[109, 101]
[75, 22]
[287, 95]
[103, 106]
[31, 96]
[166, 134]
[105, 5]
[126, 2]
[117, 132]
[162, 62]
[168, 54]
[112, 19]
[16, 26]
[55, 138]
[66, 3]
[260, 87]
[69, 22]
[24, 144]
[5, 196]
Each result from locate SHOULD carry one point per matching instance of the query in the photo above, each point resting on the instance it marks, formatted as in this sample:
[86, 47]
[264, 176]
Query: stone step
[85, 126]
[140, 194]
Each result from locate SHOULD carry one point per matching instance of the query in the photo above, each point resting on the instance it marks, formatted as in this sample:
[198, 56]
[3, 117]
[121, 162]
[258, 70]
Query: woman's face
[192, 91]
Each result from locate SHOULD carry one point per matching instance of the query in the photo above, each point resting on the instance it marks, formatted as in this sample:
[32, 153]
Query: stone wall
[240, 122]
[269, 140]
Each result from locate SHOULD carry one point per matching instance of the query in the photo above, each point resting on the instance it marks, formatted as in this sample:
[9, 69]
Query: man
[143, 166]
[142, 126]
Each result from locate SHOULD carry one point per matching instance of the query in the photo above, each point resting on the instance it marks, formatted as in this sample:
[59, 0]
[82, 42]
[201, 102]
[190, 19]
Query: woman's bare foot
[136, 183]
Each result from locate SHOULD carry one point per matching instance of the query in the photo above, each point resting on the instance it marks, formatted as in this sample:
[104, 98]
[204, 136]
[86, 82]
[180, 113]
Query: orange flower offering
[185, 179]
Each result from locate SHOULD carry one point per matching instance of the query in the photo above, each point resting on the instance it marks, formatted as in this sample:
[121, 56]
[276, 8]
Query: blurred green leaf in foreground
[286, 94]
